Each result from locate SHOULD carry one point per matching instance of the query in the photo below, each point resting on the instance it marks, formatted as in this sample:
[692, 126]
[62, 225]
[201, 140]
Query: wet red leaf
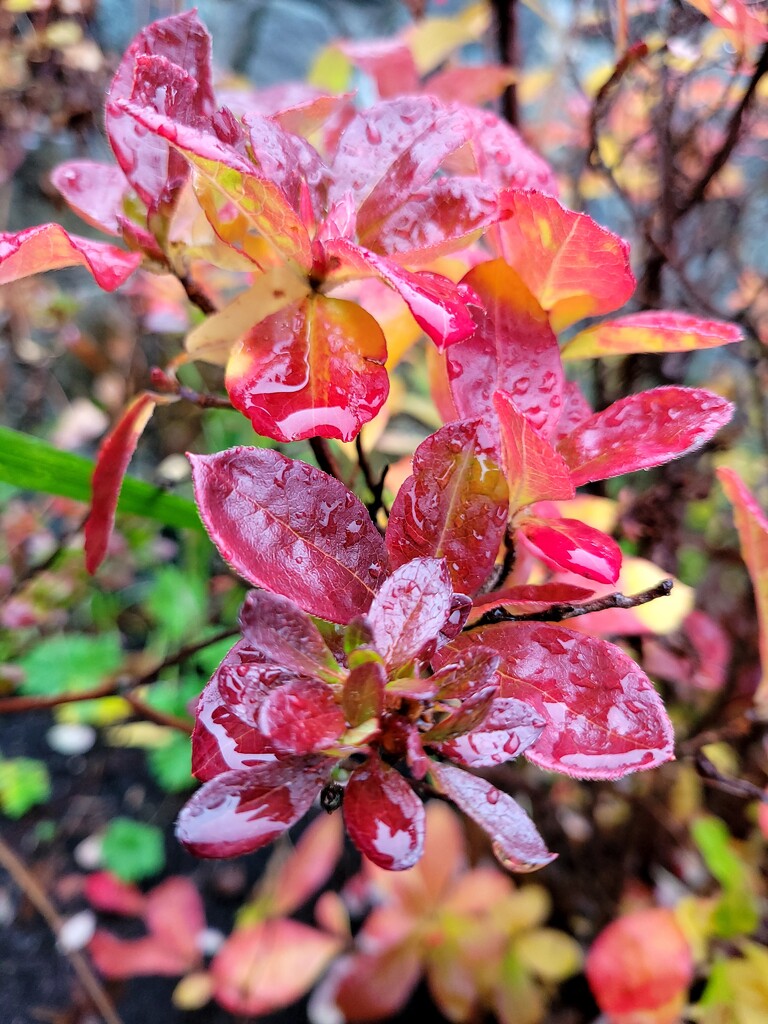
[280, 631]
[533, 597]
[409, 610]
[498, 154]
[507, 729]
[604, 719]
[534, 470]
[291, 529]
[642, 431]
[363, 694]
[94, 191]
[515, 840]
[574, 546]
[651, 331]
[301, 717]
[315, 368]
[241, 811]
[308, 866]
[575, 410]
[112, 461]
[384, 817]
[465, 673]
[104, 891]
[454, 506]
[50, 247]
[468, 716]
[573, 266]
[512, 350]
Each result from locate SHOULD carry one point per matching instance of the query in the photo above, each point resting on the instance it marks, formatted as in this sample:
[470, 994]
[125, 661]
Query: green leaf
[737, 911]
[24, 782]
[177, 603]
[171, 764]
[32, 464]
[133, 851]
[70, 663]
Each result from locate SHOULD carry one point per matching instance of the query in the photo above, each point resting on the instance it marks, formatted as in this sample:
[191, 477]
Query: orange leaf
[652, 331]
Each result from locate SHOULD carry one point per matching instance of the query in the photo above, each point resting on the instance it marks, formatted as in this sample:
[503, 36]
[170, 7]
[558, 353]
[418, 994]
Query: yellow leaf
[433, 39]
[331, 70]
[662, 616]
[193, 992]
[550, 954]
[146, 735]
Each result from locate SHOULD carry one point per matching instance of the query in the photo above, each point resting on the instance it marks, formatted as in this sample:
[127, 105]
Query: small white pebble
[88, 853]
[71, 738]
[209, 941]
[77, 931]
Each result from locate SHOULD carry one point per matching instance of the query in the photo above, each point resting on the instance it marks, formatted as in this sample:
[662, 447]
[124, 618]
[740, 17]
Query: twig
[119, 686]
[197, 296]
[720, 158]
[150, 714]
[168, 385]
[39, 900]
[36, 570]
[559, 612]
[324, 457]
[507, 564]
[506, 24]
[736, 787]
[376, 487]
[603, 99]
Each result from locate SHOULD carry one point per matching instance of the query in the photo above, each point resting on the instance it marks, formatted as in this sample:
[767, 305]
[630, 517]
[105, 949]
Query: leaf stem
[376, 487]
[560, 612]
[197, 296]
[324, 457]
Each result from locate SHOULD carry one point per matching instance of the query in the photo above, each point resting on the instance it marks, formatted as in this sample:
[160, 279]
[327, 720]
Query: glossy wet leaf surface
[574, 546]
[651, 331]
[50, 247]
[384, 816]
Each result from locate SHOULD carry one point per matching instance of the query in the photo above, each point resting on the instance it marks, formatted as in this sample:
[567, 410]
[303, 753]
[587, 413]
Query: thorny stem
[560, 612]
[36, 895]
[121, 686]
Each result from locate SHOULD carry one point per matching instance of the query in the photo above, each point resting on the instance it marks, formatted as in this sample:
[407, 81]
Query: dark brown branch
[376, 487]
[168, 385]
[119, 686]
[732, 135]
[197, 296]
[37, 896]
[560, 612]
[502, 571]
[506, 26]
[324, 457]
[604, 98]
[736, 787]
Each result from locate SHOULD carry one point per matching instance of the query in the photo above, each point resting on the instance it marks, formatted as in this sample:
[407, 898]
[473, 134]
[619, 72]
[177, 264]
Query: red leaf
[252, 203]
[270, 965]
[474, 85]
[168, 67]
[315, 368]
[499, 155]
[301, 717]
[50, 247]
[471, 712]
[292, 529]
[222, 740]
[453, 507]
[242, 811]
[574, 267]
[389, 62]
[535, 597]
[574, 411]
[106, 892]
[409, 610]
[111, 464]
[175, 915]
[363, 694]
[639, 964]
[574, 546]
[466, 673]
[384, 817]
[512, 350]
[604, 719]
[436, 304]
[132, 958]
[369, 986]
[535, 471]
[642, 431]
[752, 526]
[94, 191]
[280, 631]
[308, 866]
[651, 331]
[295, 106]
[508, 728]
[516, 842]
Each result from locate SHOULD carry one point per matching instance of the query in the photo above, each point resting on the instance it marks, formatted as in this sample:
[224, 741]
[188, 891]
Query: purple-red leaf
[515, 840]
[292, 529]
[466, 673]
[167, 67]
[604, 719]
[468, 716]
[573, 266]
[301, 717]
[363, 695]
[509, 727]
[94, 191]
[498, 154]
[111, 463]
[384, 817]
[575, 410]
[643, 430]
[241, 811]
[453, 507]
[410, 609]
[572, 545]
[315, 368]
[651, 331]
[534, 470]
[281, 632]
[50, 247]
[533, 597]
[512, 350]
